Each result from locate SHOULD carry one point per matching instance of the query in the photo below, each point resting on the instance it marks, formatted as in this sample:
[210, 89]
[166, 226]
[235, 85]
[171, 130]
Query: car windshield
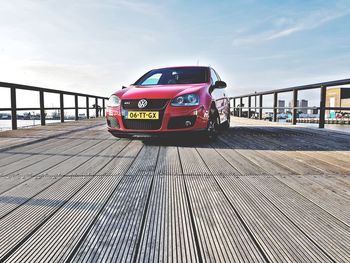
[168, 76]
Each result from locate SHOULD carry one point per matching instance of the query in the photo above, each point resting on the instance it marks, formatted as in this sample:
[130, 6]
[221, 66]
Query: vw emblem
[142, 103]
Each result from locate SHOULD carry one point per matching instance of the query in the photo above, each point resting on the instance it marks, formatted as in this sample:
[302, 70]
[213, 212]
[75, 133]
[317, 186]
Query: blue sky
[96, 46]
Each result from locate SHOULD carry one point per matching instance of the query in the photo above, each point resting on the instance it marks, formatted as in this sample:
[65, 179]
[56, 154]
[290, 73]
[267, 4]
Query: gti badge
[142, 103]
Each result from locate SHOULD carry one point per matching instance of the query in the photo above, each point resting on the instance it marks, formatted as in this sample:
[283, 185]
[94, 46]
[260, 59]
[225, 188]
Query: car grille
[151, 104]
[144, 124]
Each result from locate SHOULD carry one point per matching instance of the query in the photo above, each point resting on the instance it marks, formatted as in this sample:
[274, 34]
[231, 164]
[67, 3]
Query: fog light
[188, 123]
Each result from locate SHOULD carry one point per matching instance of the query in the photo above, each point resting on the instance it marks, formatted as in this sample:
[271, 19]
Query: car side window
[213, 76]
[217, 93]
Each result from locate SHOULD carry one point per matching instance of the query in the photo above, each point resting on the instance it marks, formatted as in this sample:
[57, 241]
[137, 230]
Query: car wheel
[226, 124]
[213, 124]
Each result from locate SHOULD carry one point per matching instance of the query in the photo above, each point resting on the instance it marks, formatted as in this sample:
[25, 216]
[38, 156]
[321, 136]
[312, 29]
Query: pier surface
[259, 193]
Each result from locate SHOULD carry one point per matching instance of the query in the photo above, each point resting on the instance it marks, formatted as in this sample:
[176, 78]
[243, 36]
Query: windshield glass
[168, 76]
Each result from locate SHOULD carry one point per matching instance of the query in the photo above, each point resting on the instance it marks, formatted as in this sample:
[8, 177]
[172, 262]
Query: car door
[220, 98]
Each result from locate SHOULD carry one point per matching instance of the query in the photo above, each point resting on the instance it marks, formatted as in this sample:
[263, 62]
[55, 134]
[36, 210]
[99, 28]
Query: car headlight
[113, 101]
[186, 100]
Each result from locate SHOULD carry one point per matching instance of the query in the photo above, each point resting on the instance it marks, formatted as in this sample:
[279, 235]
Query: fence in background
[239, 107]
[14, 109]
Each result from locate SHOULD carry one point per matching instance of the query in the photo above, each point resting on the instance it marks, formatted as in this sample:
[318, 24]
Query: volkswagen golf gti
[170, 100]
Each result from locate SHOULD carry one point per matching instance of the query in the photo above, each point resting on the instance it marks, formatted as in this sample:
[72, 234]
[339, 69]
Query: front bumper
[173, 119]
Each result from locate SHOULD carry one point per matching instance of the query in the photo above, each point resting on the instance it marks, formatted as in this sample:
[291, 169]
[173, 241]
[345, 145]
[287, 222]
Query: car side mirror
[220, 84]
[123, 87]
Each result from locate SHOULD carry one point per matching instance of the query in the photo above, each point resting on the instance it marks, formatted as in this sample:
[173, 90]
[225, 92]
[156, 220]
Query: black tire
[213, 124]
[226, 124]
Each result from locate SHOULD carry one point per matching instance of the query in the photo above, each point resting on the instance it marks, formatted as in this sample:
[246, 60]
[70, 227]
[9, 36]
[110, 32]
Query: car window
[213, 76]
[152, 80]
[168, 76]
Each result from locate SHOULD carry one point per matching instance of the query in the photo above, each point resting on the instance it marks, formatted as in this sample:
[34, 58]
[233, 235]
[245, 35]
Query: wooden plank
[215, 162]
[21, 223]
[114, 235]
[312, 165]
[191, 162]
[334, 204]
[145, 162]
[168, 161]
[17, 196]
[69, 164]
[278, 155]
[335, 183]
[24, 192]
[249, 150]
[99, 161]
[243, 165]
[222, 236]
[279, 239]
[304, 148]
[121, 163]
[168, 235]
[331, 235]
[19, 138]
[21, 176]
[55, 240]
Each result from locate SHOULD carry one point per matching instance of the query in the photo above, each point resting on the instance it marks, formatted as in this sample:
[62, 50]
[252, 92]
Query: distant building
[281, 104]
[303, 104]
[312, 111]
[337, 97]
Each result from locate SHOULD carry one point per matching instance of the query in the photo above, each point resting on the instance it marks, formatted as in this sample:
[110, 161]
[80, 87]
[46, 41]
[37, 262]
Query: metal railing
[14, 109]
[321, 108]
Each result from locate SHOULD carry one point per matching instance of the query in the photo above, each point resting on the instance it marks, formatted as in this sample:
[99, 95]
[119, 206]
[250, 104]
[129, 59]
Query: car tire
[213, 124]
[226, 124]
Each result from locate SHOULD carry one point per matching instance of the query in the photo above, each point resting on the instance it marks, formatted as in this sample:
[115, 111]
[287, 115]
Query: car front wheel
[213, 124]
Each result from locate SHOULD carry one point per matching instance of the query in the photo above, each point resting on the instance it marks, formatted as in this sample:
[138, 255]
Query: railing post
[76, 105]
[240, 107]
[249, 106]
[87, 108]
[295, 105]
[322, 107]
[42, 108]
[96, 107]
[260, 106]
[13, 109]
[234, 106]
[275, 106]
[61, 107]
[103, 107]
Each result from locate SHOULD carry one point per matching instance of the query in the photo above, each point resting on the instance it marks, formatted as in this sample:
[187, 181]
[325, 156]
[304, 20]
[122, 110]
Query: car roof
[183, 67]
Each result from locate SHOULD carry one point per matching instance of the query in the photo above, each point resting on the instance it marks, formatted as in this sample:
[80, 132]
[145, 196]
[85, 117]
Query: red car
[176, 99]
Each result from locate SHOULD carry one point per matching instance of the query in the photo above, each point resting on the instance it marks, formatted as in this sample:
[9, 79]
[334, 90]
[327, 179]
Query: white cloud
[311, 22]
[286, 26]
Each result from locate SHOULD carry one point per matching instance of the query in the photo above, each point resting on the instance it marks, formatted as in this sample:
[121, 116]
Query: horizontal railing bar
[33, 88]
[303, 87]
[237, 107]
[313, 108]
[57, 108]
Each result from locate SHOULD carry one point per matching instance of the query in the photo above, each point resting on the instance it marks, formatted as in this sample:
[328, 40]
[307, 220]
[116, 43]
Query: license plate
[142, 115]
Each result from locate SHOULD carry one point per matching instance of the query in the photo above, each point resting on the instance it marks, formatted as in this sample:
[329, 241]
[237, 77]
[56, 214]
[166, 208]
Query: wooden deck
[259, 193]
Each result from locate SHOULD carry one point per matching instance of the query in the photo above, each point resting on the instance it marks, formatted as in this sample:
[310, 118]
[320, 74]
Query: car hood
[158, 92]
